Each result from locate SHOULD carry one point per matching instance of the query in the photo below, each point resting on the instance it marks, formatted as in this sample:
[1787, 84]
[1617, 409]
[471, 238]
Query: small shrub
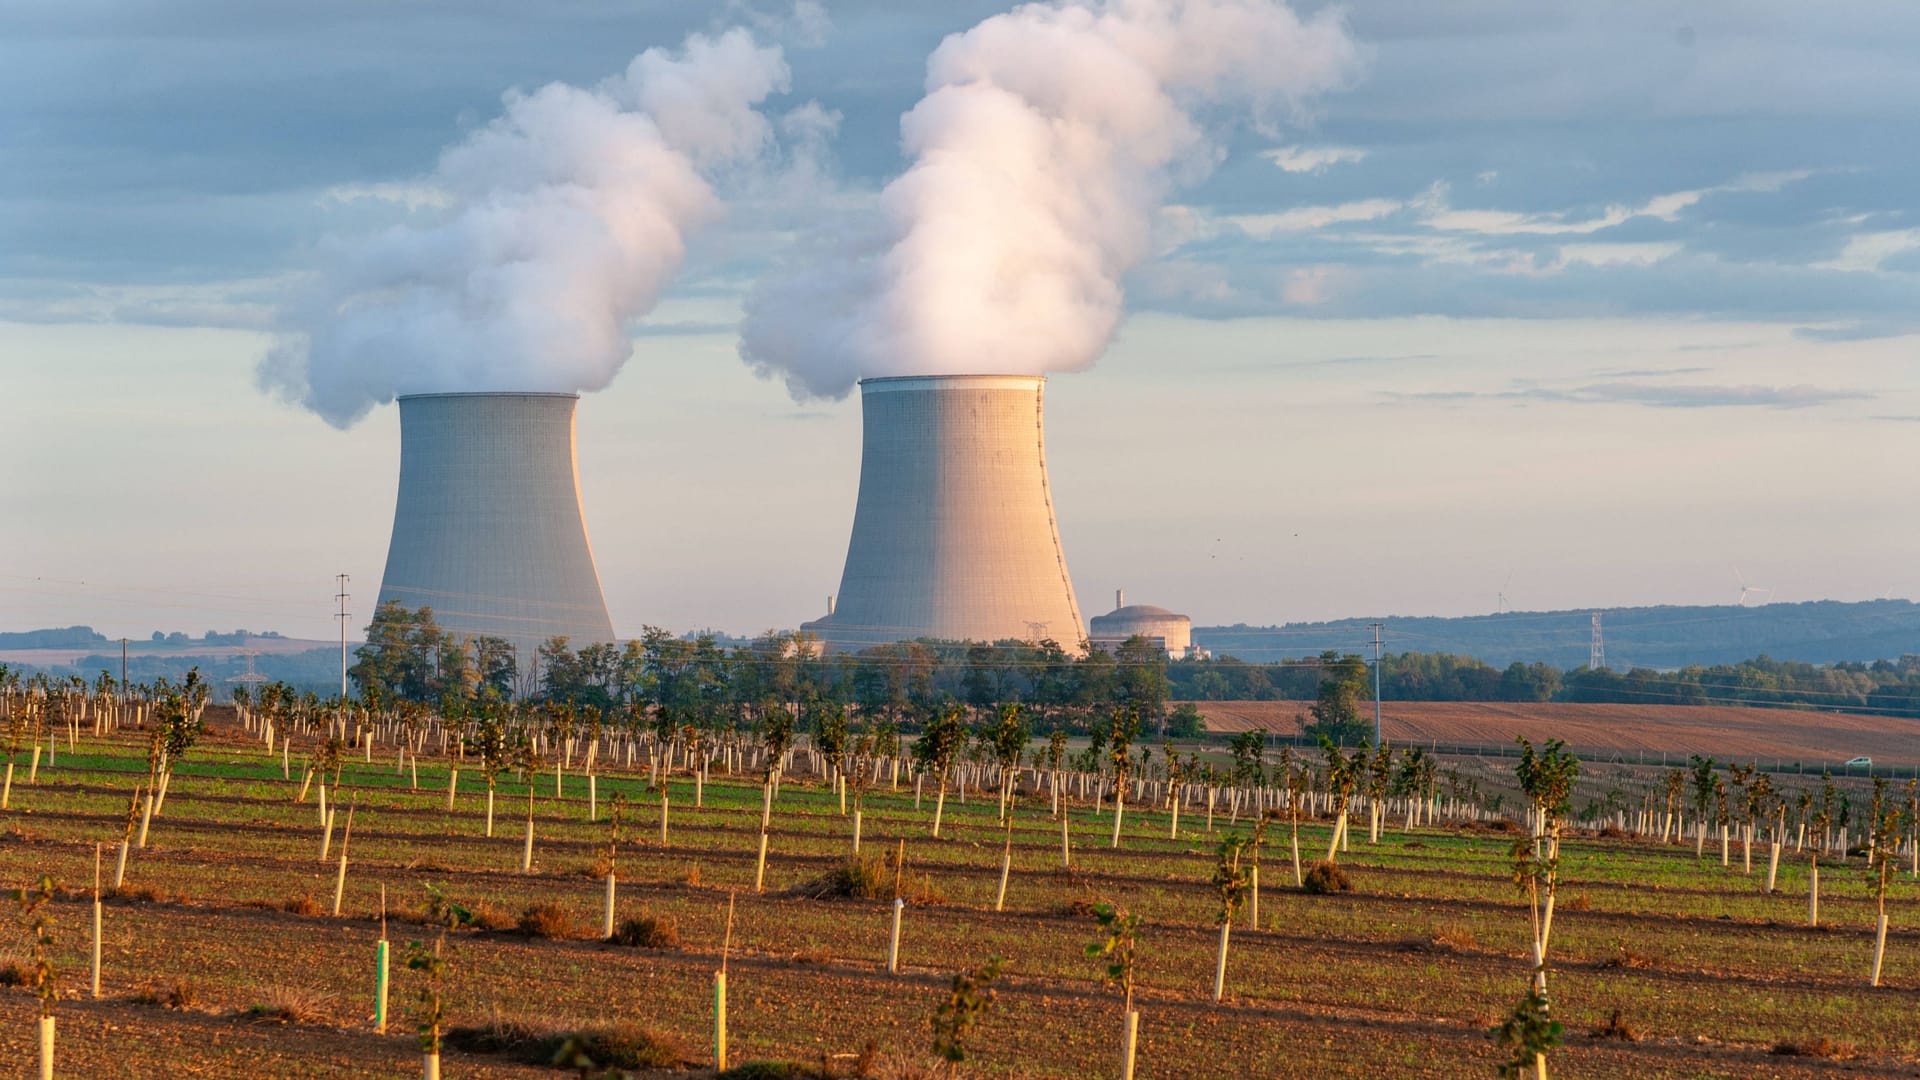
[614, 1046]
[175, 993]
[1576, 902]
[1325, 877]
[861, 877]
[290, 1005]
[1627, 958]
[1615, 1028]
[692, 877]
[14, 972]
[1612, 832]
[1080, 907]
[924, 894]
[618, 1046]
[775, 1070]
[486, 916]
[301, 905]
[499, 1035]
[546, 920]
[1819, 1046]
[646, 931]
[1454, 939]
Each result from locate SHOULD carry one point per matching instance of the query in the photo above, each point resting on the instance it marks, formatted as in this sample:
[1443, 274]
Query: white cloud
[1303, 218]
[1313, 159]
[410, 194]
[1665, 207]
[1615, 254]
[1866, 251]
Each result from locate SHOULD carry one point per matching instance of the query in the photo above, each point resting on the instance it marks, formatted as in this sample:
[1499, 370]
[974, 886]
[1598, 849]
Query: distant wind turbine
[1758, 593]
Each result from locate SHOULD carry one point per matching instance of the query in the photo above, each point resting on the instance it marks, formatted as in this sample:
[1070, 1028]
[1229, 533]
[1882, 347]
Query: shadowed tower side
[953, 531]
[487, 530]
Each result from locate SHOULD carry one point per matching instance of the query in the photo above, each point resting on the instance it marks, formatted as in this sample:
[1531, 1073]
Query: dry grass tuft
[1819, 1046]
[290, 1005]
[1324, 878]
[547, 920]
[645, 931]
[489, 916]
[542, 1042]
[1454, 938]
[1576, 902]
[1627, 957]
[174, 993]
[1615, 1028]
[301, 905]
[692, 876]
[861, 877]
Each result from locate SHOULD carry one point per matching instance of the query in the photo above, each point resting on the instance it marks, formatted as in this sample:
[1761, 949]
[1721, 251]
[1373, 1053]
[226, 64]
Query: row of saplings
[1546, 778]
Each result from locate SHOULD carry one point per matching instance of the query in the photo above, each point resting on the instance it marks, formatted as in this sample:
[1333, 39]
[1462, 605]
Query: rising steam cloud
[563, 219]
[1047, 139]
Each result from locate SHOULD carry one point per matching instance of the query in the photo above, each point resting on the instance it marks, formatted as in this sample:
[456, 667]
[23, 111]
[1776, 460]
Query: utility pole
[1377, 643]
[341, 596]
[123, 671]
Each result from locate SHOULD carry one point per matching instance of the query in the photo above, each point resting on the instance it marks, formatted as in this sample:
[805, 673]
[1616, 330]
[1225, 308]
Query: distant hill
[1819, 632]
[73, 637]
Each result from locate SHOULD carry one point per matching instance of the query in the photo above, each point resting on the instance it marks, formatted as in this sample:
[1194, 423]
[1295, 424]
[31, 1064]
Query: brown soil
[1817, 738]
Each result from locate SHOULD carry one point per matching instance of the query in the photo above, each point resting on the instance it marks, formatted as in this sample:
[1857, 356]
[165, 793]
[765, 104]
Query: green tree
[1336, 706]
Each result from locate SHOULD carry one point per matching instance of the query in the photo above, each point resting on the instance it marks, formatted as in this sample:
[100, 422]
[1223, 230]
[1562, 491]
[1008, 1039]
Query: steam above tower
[953, 532]
[487, 530]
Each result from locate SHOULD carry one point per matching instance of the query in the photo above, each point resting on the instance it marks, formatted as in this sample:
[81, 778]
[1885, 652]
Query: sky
[1578, 306]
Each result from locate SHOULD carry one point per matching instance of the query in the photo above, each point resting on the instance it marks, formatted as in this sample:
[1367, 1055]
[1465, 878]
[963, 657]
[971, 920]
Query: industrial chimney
[953, 531]
[487, 531]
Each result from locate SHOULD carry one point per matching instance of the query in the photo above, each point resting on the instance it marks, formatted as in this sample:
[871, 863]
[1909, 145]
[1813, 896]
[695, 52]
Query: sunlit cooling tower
[953, 532]
[487, 531]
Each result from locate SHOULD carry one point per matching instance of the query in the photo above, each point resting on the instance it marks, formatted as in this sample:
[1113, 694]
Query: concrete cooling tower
[487, 531]
[953, 532]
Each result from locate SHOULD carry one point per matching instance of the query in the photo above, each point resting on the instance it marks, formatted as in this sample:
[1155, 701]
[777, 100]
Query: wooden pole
[96, 920]
[893, 940]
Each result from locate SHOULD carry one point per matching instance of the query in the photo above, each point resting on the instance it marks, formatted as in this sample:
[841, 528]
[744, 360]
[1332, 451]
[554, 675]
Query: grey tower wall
[953, 531]
[487, 530]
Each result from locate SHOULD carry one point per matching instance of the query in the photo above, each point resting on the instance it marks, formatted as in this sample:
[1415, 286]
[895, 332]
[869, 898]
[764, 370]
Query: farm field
[1635, 732]
[221, 957]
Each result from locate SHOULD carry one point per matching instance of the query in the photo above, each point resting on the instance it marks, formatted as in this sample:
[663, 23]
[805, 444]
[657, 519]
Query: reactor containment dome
[953, 531]
[487, 530]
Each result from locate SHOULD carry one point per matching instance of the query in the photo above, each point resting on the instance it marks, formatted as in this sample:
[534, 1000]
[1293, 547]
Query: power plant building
[487, 529]
[1164, 628]
[953, 531]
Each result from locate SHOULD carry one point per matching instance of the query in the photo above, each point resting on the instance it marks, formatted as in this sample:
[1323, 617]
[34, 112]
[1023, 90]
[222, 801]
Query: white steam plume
[1046, 140]
[564, 218]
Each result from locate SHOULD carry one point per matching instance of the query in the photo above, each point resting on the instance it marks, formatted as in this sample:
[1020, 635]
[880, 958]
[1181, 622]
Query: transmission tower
[341, 596]
[1597, 653]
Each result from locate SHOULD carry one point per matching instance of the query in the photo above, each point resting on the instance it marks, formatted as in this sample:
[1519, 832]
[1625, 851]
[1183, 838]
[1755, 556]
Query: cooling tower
[487, 531]
[953, 532]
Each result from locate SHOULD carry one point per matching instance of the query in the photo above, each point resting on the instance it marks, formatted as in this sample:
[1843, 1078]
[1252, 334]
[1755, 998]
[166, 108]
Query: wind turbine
[1761, 594]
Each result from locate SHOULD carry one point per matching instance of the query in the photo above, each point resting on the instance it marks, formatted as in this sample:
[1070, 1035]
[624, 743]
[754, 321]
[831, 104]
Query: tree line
[408, 656]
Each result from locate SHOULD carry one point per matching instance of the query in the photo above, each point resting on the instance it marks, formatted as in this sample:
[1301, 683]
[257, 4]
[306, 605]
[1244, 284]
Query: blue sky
[1586, 305]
